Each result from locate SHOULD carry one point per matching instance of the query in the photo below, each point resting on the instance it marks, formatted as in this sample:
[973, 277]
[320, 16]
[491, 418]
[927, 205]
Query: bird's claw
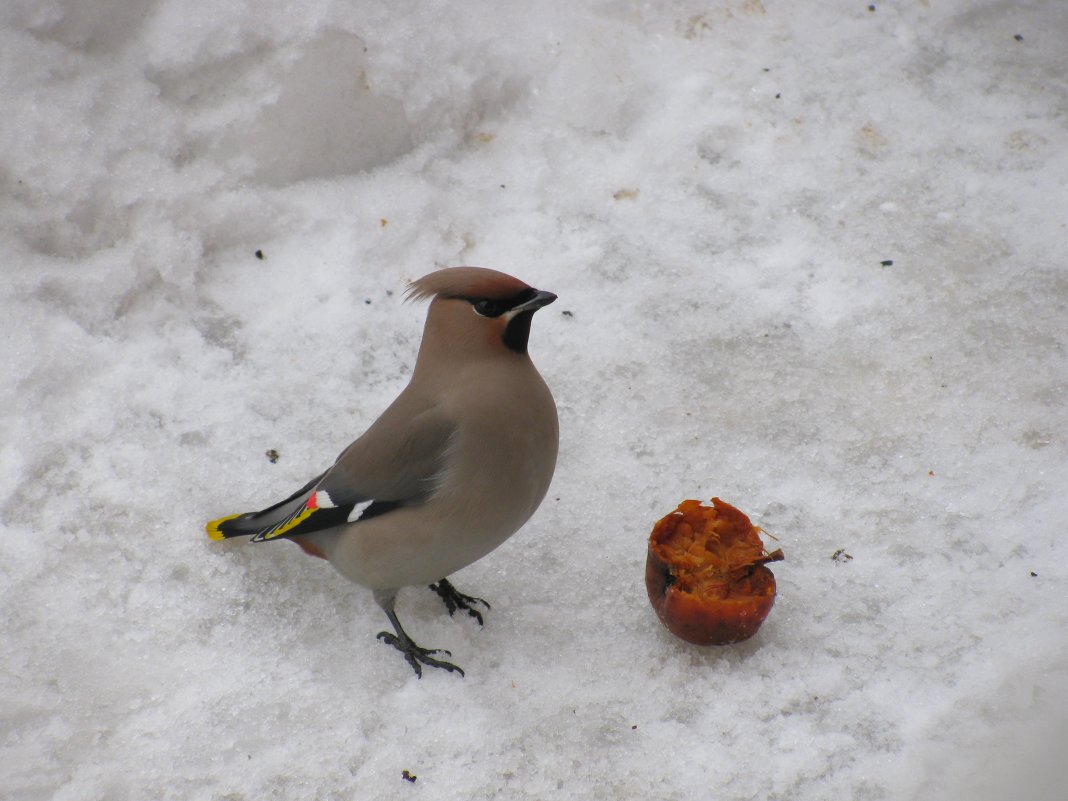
[454, 599]
[415, 655]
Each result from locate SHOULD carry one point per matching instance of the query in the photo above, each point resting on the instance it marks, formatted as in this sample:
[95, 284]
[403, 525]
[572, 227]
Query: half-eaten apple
[706, 573]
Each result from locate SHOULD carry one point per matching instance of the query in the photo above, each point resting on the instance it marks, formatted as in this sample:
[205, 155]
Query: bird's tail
[233, 526]
[252, 523]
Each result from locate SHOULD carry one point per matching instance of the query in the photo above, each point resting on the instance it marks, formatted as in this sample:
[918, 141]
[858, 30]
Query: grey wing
[399, 458]
[397, 462]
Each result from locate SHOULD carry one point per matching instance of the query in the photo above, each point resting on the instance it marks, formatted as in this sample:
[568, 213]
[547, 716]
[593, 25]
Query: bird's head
[474, 309]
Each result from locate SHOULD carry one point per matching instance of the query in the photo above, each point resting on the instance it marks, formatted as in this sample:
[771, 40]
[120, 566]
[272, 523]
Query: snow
[810, 259]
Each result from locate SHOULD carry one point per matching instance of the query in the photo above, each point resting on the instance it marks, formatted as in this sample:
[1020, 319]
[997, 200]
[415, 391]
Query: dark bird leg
[454, 599]
[414, 654]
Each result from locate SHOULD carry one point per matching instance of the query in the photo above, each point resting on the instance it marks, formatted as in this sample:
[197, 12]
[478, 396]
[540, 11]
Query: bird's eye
[488, 308]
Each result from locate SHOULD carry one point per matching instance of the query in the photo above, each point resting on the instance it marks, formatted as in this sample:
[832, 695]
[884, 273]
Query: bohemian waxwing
[455, 465]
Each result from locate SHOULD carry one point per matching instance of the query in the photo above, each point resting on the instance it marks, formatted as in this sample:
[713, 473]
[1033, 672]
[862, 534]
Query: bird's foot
[454, 599]
[416, 655]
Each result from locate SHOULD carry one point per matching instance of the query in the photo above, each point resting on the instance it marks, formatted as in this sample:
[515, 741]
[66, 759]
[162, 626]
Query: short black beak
[535, 303]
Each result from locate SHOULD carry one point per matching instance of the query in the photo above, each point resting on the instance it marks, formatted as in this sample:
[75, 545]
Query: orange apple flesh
[705, 574]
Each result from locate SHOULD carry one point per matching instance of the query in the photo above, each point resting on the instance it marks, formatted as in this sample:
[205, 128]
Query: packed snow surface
[811, 259]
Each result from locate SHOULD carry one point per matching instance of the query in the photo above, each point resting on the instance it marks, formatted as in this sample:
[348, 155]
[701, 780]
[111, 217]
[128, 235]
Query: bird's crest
[466, 282]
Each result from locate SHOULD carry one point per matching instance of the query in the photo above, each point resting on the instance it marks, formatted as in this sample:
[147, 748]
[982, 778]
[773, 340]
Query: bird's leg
[414, 654]
[454, 599]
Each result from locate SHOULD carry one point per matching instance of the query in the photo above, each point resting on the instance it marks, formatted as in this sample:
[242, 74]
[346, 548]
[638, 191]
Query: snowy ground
[716, 191]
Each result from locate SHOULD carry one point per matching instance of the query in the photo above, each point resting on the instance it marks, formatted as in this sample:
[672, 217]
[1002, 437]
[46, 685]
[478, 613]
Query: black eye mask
[490, 307]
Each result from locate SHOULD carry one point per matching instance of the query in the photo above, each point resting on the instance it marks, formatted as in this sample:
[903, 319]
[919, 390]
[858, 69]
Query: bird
[458, 463]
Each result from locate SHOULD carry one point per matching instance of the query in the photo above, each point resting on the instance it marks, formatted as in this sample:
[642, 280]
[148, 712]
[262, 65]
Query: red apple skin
[708, 621]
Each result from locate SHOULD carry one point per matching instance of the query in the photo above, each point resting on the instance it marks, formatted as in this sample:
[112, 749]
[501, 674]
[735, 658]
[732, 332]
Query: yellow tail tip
[213, 527]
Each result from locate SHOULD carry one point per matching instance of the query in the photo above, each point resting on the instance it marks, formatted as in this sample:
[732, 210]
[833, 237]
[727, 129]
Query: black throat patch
[517, 332]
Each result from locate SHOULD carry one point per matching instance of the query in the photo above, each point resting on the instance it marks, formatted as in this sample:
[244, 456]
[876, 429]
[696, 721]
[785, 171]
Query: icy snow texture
[712, 189]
